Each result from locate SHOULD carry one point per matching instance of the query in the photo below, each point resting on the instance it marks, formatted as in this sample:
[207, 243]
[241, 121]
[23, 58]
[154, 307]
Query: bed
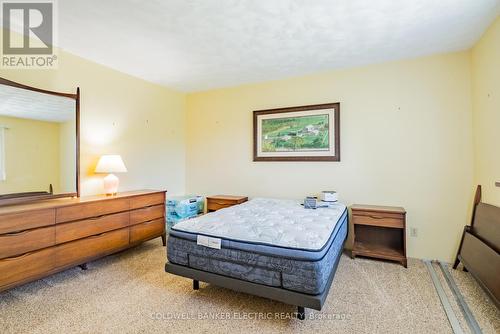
[479, 249]
[267, 247]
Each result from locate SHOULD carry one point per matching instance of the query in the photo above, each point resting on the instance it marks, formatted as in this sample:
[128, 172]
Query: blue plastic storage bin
[180, 208]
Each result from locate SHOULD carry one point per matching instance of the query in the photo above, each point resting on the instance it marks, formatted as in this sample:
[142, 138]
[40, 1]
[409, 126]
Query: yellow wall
[120, 114]
[486, 106]
[31, 155]
[67, 152]
[407, 136]
[406, 139]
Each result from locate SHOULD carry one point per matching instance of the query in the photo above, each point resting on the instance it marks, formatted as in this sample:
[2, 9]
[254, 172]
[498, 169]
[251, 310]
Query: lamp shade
[110, 164]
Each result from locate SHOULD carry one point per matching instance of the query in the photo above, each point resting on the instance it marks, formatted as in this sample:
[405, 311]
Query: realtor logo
[28, 34]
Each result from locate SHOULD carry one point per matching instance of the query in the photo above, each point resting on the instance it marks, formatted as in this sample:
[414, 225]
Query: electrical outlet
[413, 232]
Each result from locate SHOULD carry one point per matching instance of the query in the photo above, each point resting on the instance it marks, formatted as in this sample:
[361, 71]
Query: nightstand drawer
[218, 202]
[214, 206]
[378, 220]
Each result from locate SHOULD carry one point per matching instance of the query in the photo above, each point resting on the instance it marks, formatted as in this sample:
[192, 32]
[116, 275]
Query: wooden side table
[218, 202]
[379, 232]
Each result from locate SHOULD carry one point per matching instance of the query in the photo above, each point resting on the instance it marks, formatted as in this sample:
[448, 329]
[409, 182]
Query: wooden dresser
[218, 202]
[379, 232]
[41, 238]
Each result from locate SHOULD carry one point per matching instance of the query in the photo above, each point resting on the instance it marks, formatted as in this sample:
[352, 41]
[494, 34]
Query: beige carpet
[130, 293]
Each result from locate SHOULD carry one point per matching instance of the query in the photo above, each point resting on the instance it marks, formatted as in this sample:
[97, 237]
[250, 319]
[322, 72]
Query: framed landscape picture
[306, 133]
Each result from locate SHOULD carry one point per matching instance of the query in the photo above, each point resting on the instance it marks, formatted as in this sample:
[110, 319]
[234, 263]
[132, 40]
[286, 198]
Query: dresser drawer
[26, 266]
[147, 214]
[14, 222]
[94, 209]
[138, 202]
[13, 244]
[92, 226]
[377, 219]
[148, 230]
[79, 251]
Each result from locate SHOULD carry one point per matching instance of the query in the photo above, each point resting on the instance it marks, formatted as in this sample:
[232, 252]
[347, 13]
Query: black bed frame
[302, 300]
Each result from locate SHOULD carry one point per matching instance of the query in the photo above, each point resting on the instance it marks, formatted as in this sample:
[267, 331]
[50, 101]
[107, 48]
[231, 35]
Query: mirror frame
[16, 198]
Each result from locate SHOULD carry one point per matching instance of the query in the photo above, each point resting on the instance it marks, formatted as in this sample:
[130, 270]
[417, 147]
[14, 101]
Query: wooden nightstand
[379, 232]
[217, 202]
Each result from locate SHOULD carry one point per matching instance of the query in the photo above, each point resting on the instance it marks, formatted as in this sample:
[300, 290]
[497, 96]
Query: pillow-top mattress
[266, 241]
[268, 226]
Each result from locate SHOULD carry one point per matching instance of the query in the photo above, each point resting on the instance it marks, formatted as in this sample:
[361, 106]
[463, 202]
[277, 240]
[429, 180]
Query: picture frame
[303, 133]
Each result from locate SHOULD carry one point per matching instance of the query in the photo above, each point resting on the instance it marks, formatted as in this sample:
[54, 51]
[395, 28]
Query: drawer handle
[17, 257]
[17, 233]
[147, 207]
[376, 217]
[97, 235]
[96, 217]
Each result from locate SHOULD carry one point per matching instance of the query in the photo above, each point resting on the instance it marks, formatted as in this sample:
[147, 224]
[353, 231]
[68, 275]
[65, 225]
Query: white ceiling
[193, 45]
[22, 103]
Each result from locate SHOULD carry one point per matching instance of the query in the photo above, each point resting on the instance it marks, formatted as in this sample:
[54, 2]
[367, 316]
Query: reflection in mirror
[37, 142]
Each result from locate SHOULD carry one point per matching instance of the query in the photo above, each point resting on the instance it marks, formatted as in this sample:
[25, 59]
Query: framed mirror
[39, 143]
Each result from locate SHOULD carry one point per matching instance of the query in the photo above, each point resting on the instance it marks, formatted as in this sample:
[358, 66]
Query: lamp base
[111, 183]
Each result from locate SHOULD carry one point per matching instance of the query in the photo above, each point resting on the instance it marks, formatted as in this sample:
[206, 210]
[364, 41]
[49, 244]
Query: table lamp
[111, 164]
